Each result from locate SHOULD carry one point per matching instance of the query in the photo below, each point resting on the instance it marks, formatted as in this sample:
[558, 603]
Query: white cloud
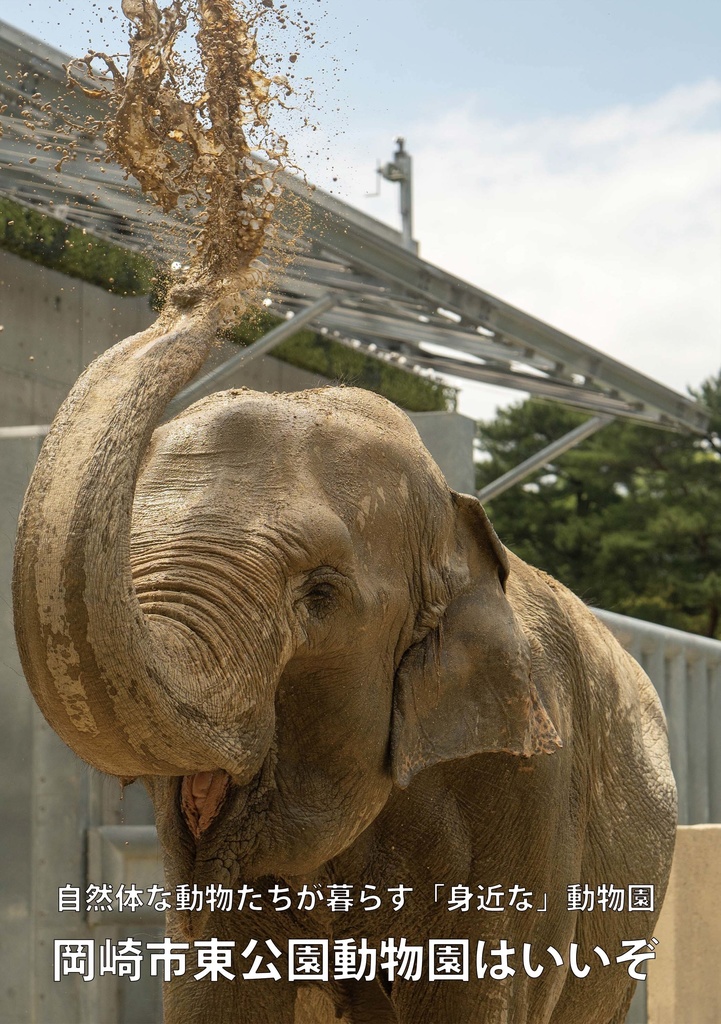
[608, 226]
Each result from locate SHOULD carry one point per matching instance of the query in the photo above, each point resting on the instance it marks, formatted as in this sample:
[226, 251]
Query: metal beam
[338, 232]
[374, 254]
[31, 430]
[563, 444]
[575, 395]
[334, 242]
[415, 332]
[205, 384]
[543, 387]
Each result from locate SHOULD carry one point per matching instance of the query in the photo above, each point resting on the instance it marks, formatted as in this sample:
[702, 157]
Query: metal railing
[686, 671]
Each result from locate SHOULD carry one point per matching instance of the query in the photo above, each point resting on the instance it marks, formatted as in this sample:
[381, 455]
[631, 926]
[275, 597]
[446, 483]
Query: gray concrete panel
[449, 438]
[53, 326]
[714, 758]
[16, 785]
[267, 374]
[49, 799]
[17, 395]
[41, 320]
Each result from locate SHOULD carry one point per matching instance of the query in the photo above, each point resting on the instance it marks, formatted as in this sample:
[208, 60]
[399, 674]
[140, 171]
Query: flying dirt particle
[195, 131]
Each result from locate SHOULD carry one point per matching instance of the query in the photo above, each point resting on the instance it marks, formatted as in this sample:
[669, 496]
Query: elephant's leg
[187, 1001]
[352, 1002]
[316, 1006]
[588, 1004]
[620, 1015]
[366, 1002]
[457, 1002]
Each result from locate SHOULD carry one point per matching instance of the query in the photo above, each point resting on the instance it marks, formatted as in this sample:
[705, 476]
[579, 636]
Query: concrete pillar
[684, 981]
[448, 436]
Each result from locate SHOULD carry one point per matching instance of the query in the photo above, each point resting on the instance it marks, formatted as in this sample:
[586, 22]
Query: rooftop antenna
[399, 169]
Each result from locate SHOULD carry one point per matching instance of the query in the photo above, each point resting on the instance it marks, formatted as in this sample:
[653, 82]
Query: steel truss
[349, 275]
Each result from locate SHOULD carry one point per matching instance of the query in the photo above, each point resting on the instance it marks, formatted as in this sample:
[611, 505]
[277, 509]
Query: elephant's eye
[319, 598]
[320, 593]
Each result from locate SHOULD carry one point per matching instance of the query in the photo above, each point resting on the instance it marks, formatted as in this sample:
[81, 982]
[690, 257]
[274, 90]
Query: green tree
[628, 519]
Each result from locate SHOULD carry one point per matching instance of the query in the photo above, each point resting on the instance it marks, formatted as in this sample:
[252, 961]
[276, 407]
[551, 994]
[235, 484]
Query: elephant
[327, 669]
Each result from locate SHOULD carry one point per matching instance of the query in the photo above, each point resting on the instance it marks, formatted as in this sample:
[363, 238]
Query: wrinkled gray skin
[325, 667]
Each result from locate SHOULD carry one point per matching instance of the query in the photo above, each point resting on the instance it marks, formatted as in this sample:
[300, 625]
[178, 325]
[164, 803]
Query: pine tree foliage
[628, 519]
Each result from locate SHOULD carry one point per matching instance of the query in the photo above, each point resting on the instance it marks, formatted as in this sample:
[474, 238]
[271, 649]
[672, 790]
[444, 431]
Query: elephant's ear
[466, 688]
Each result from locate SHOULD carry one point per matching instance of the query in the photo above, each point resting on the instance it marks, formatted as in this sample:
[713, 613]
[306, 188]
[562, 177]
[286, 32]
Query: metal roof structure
[349, 274]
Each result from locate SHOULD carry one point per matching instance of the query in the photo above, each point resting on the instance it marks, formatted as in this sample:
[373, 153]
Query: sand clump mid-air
[194, 131]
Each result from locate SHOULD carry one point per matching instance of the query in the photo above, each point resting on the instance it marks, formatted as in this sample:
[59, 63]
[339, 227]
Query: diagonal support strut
[558, 447]
[204, 385]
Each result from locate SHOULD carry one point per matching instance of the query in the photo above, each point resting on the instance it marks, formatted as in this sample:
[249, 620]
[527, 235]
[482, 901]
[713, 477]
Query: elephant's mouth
[201, 798]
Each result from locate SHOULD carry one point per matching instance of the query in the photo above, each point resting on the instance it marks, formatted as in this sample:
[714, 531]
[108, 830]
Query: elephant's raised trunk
[129, 694]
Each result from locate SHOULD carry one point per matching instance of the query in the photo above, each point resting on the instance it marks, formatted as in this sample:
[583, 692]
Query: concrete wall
[684, 981]
[53, 326]
[448, 436]
[48, 801]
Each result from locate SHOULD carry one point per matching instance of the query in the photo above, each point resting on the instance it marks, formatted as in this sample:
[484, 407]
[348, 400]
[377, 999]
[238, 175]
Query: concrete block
[41, 318]
[53, 326]
[265, 373]
[107, 319]
[684, 984]
[448, 436]
[48, 396]
[16, 397]
[17, 458]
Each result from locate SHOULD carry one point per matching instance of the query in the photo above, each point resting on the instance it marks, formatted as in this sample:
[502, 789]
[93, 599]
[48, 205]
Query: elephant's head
[274, 609]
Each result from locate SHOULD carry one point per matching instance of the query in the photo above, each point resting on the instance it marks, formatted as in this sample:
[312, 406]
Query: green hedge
[323, 355]
[70, 250]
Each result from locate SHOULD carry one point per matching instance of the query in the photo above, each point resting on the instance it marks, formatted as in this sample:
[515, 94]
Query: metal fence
[686, 671]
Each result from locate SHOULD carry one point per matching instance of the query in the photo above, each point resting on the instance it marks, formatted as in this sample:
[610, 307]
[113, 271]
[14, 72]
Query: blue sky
[526, 57]
[521, 57]
[567, 153]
